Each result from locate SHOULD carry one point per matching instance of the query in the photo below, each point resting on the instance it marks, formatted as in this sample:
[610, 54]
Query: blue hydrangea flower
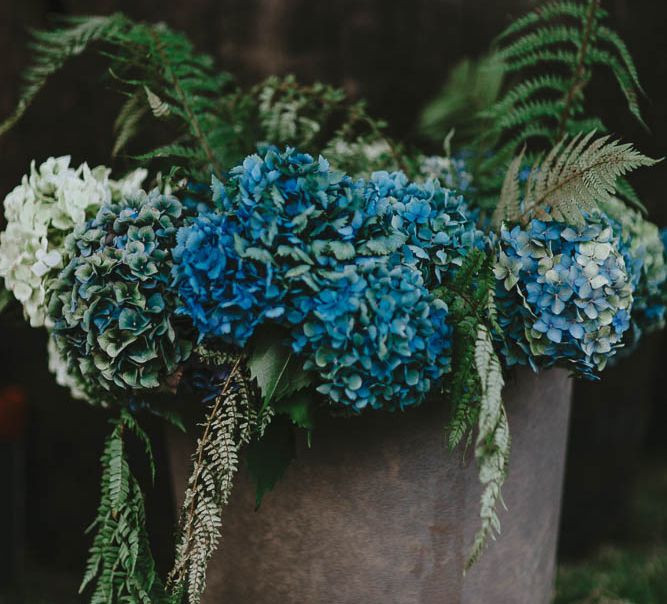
[291, 236]
[291, 210]
[437, 224]
[282, 217]
[564, 294]
[375, 335]
[224, 294]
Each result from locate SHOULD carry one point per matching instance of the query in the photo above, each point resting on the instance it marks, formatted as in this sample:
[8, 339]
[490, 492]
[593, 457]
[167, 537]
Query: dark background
[397, 55]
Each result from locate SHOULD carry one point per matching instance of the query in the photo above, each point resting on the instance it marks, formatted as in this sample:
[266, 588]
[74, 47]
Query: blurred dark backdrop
[395, 53]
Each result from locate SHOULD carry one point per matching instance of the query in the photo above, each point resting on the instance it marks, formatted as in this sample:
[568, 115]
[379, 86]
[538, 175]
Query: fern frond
[530, 88]
[571, 181]
[127, 122]
[52, 49]
[551, 10]
[509, 203]
[539, 40]
[229, 425]
[493, 442]
[162, 76]
[552, 53]
[120, 561]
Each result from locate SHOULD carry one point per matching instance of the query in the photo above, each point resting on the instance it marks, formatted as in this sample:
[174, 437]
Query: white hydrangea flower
[40, 213]
[58, 367]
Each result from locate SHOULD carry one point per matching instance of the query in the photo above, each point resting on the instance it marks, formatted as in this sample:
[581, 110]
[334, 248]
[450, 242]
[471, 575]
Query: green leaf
[278, 372]
[299, 407]
[269, 456]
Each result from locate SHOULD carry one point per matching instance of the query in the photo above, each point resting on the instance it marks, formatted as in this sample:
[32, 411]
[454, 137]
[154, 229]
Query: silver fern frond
[492, 446]
[228, 426]
[571, 181]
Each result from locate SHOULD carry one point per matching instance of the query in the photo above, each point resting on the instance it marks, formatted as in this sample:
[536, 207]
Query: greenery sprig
[228, 426]
[572, 180]
[121, 564]
[477, 384]
[549, 57]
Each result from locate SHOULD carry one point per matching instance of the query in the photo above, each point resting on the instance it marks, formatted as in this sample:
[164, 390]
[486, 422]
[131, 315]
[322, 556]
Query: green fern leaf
[53, 49]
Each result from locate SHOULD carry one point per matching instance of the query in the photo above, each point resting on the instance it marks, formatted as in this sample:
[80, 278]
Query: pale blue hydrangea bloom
[564, 294]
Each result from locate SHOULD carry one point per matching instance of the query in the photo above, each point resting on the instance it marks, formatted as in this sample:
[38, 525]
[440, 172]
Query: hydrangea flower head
[40, 213]
[291, 206]
[564, 294]
[223, 293]
[111, 306]
[436, 223]
[375, 335]
[283, 217]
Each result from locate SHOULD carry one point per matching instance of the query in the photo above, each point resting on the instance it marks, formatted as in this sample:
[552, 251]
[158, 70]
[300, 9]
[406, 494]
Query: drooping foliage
[121, 566]
[229, 425]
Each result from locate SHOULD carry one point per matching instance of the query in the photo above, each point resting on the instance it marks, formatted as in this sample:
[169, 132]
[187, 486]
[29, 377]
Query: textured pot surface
[377, 511]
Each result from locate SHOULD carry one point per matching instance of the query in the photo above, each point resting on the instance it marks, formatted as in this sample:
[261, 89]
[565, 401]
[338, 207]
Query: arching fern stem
[580, 77]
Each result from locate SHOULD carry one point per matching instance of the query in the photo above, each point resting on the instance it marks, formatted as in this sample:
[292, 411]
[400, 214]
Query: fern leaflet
[570, 182]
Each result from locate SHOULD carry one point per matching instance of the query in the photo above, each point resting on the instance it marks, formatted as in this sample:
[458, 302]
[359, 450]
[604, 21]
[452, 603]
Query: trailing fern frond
[229, 425]
[492, 446]
[571, 181]
[120, 562]
[52, 49]
[162, 76]
[476, 391]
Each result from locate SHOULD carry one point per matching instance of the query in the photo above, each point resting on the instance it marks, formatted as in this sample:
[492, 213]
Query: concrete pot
[378, 511]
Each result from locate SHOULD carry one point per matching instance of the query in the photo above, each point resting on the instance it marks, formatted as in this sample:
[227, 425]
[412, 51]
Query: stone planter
[377, 511]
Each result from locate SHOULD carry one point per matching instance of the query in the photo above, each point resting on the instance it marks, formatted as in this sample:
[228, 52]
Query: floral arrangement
[289, 257]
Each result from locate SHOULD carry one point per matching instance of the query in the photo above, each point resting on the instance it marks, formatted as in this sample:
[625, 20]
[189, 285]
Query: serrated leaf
[278, 372]
[299, 407]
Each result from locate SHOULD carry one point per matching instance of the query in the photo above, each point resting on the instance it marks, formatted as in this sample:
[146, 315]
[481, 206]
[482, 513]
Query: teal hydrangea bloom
[112, 307]
[375, 335]
[437, 224]
[285, 230]
[564, 294]
[282, 217]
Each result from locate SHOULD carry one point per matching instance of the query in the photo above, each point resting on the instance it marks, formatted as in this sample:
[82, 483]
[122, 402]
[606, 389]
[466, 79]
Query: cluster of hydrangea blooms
[436, 223]
[645, 258]
[287, 225]
[111, 306]
[283, 217]
[375, 335]
[564, 294]
[40, 213]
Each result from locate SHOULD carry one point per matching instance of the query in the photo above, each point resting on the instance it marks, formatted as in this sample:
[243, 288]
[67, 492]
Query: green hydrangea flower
[112, 307]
